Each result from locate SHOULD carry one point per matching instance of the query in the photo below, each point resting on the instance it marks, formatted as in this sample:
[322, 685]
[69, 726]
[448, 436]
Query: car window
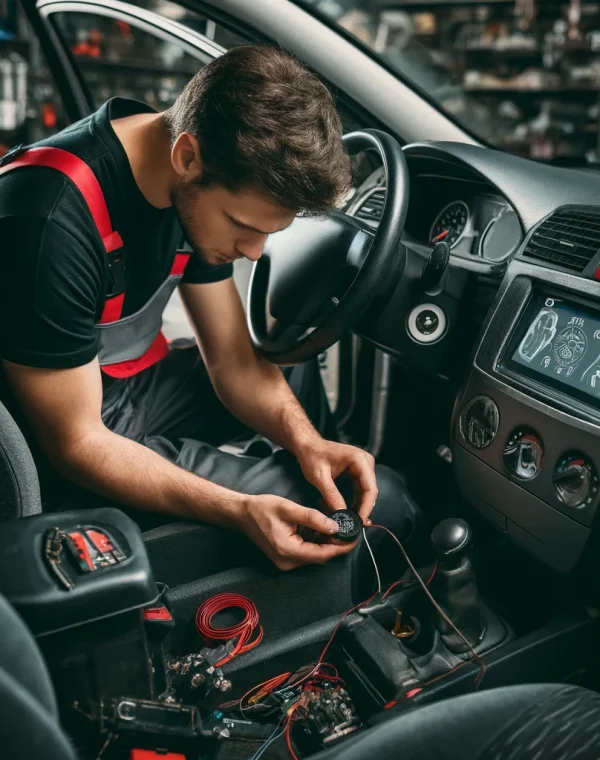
[521, 75]
[115, 58]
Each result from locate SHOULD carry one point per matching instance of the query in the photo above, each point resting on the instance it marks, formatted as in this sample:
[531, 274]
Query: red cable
[243, 631]
[288, 738]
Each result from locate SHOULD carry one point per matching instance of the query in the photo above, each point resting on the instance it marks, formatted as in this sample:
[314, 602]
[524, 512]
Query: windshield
[522, 75]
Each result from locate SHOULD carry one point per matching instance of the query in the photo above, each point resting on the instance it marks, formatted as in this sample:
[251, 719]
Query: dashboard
[479, 222]
[520, 310]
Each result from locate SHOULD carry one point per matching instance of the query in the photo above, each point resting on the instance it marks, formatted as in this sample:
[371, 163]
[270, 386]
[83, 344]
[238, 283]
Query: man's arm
[256, 391]
[250, 387]
[64, 408]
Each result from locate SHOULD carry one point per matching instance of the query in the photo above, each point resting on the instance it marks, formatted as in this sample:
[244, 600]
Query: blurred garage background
[525, 72]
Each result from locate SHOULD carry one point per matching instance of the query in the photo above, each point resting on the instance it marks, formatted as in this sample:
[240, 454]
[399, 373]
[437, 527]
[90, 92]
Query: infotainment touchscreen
[558, 344]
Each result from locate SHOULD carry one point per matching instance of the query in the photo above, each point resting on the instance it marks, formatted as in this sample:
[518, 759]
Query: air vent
[569, 238]
[371, 208]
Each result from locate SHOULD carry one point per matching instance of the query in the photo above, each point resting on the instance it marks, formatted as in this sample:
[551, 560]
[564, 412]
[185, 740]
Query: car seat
[29, 725]
[19, 484]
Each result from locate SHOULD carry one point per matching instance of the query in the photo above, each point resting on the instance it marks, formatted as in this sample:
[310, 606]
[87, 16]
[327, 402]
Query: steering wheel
[317, 277]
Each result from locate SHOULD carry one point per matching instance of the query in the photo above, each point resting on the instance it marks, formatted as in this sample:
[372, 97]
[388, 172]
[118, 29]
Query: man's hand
[272, 523]
[325, 461]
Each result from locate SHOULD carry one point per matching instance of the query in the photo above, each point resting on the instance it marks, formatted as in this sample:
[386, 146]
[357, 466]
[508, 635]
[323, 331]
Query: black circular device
[575, 479]
[350, 524]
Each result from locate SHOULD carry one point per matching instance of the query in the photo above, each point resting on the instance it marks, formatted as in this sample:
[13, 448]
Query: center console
[141, 671]
[527, 423]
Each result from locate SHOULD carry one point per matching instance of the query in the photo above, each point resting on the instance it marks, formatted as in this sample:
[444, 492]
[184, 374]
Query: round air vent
[479, 421]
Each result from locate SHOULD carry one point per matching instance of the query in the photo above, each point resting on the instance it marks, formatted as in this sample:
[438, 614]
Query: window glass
[216, 32]
[523, 75]
[117, 59]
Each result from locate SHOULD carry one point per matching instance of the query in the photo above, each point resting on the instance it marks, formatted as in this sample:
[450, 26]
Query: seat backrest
[19, 483]
[29, 725]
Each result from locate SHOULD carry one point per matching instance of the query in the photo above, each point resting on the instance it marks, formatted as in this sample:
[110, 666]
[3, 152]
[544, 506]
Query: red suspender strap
[86, 182]
[178, 268]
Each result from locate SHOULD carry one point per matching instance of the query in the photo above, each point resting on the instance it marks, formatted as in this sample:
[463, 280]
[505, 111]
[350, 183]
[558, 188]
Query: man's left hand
[324, 461]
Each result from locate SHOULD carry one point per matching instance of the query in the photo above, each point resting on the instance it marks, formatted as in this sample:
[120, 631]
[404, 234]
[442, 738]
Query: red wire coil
[243, 631]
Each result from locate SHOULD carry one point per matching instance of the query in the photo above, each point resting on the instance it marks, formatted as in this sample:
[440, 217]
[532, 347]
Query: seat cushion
[549, 721]
[19, 484]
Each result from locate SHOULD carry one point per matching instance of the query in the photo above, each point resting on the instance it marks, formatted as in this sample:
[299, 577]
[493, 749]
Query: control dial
[575, 479]
[523, 454]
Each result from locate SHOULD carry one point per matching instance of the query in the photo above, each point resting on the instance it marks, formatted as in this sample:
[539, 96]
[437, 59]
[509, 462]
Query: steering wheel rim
[370, 256]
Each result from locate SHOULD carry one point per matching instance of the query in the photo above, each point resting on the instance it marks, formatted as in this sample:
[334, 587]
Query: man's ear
[185, 157]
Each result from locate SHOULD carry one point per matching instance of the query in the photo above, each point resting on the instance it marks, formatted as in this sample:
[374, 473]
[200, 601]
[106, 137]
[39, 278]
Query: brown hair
[262, 120]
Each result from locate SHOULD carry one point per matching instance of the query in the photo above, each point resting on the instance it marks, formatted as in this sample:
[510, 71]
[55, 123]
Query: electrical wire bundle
[314, 677]
[244, 631]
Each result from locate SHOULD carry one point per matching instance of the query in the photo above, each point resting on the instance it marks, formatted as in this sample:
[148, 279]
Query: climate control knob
[523, 454]
[575, 479]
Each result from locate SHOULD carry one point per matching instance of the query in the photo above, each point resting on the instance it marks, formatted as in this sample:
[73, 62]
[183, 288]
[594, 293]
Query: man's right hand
[272, 523]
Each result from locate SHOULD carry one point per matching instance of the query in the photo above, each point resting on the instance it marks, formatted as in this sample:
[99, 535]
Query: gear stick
[454, 586]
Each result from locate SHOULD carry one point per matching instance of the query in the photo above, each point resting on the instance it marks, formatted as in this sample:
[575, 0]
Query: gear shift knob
[450, 540]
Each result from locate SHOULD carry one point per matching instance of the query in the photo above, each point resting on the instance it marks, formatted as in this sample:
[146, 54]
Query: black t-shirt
[53, 265]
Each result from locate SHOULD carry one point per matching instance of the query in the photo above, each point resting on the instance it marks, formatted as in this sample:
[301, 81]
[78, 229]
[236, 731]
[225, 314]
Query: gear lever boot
[454, 586]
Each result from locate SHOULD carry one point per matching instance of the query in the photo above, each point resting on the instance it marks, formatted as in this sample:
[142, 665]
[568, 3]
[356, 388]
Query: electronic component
[350, 524]
[186, 675]
[139, 716]
[225, 727]
[287, 697]
[80, 551]
[329, 714]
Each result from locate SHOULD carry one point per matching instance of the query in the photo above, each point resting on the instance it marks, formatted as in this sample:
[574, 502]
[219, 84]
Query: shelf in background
[524, 53]
[498, 53]
[410, 5]
[512, 91]
[15, 45]
[133, 65]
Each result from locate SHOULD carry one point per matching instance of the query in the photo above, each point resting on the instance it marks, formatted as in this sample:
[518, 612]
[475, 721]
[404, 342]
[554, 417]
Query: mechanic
[252, 140]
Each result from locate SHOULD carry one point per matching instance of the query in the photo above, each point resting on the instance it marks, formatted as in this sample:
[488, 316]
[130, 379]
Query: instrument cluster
[479, 223]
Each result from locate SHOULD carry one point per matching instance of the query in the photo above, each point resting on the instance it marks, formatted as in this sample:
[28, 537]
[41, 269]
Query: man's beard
[181, 199]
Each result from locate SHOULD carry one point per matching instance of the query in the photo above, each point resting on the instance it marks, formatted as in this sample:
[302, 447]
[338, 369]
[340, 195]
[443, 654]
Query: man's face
[222, 226]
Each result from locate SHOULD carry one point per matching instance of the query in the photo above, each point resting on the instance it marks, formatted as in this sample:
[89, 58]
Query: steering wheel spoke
[284, 333]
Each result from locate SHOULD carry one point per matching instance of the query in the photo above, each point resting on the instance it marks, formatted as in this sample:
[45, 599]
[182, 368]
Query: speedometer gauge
[454, 218]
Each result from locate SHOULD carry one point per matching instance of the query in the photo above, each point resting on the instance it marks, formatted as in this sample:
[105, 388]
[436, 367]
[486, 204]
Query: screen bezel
[508, 366]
